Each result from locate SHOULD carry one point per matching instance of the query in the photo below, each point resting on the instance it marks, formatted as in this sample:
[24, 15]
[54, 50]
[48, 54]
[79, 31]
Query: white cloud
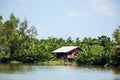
[23, 1]
[24, 5]
[77, 14]
[105, 7]
[62, 2]
[81, 14]
[72, 13]
[88, 7]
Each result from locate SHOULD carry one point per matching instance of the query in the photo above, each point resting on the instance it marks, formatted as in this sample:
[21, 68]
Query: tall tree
[116, 35]
[2, 36]
[116, 56]
[11, 33]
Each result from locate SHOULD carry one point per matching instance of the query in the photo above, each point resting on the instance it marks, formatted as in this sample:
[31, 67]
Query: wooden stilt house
[67, 52]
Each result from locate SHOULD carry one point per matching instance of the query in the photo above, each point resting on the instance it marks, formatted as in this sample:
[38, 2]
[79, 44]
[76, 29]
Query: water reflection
[10, 68]
[116, 70]
[35, 72]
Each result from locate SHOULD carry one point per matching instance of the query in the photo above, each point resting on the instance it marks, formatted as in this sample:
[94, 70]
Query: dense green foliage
[18, 42]
[96, 51]
[116, 55]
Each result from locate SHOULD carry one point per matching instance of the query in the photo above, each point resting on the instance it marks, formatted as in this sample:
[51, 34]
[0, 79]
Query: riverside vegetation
[18, 44]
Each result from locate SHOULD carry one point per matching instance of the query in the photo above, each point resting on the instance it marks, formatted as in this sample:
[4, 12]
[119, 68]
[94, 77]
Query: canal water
[67, 72]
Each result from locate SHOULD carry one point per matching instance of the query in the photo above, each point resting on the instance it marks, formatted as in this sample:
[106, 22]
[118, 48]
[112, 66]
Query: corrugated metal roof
[65, 49]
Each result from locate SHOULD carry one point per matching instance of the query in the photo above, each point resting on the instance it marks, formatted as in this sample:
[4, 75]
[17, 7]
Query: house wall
[72, 53]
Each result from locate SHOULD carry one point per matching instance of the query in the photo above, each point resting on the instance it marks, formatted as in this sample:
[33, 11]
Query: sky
[66, 18]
